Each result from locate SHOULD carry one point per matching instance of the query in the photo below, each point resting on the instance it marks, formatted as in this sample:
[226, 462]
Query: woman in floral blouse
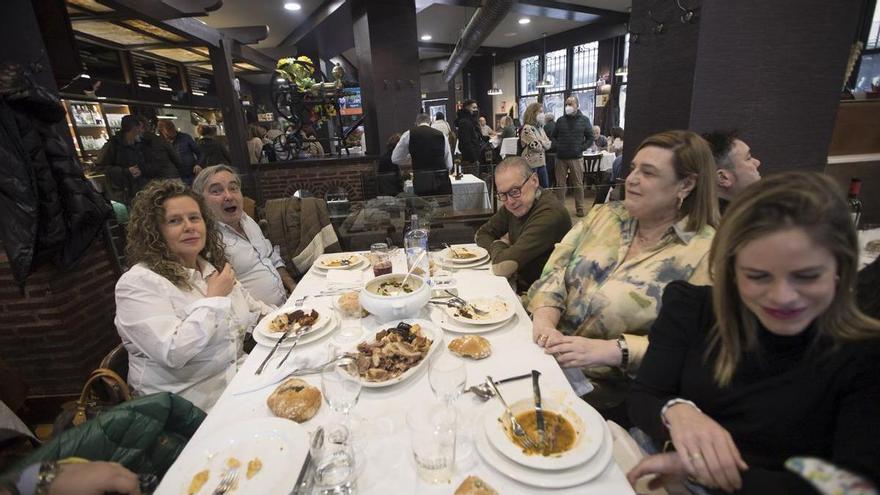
[600, 290]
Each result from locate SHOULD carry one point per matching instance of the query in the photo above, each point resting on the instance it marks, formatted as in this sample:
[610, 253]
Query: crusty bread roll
[471, 346]
[350, 305]
[473, 485]
[295, 399]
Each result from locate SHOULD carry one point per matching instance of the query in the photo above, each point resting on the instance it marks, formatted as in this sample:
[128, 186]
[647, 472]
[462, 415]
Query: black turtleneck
[791, 396]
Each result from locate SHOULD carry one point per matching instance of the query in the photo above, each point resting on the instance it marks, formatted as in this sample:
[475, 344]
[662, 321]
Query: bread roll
[471, 346]
[473, 485]
[295, 399]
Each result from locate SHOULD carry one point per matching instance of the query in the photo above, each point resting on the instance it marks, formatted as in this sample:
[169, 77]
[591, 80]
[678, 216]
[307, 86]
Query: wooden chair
[250, 207]
[592, 174]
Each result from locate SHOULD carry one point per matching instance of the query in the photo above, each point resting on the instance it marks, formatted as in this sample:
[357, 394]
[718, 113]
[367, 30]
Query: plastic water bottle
[416, 244]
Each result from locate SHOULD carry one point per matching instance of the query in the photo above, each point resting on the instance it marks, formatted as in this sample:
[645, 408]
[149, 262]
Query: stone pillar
[772, 70]
[385, 35]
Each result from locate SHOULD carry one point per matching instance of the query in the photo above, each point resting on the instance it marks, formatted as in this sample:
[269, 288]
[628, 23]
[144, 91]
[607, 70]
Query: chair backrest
[592, 162]
[249, 206]
[508, 146]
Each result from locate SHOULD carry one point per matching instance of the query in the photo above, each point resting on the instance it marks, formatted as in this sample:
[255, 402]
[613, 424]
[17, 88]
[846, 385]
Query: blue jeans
[543, 178]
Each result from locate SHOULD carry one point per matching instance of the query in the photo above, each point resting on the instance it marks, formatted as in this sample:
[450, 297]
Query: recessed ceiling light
[426, 37]
[525, 20]
[292, 6]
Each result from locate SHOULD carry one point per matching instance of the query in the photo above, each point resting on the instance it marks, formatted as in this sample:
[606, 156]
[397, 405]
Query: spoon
[485, 392]
[410, 272]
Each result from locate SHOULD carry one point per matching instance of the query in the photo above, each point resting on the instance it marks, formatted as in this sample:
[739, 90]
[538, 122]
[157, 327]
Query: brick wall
[280, 180]
[58, 331]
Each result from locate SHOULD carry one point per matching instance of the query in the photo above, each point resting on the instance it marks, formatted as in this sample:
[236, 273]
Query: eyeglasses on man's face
[514, 192]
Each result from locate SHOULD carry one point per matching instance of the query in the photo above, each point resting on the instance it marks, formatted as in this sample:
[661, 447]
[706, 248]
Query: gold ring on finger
[696, 457]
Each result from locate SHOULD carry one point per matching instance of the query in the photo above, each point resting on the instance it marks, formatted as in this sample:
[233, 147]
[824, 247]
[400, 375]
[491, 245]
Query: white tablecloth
[469, 193]
[389, 466]
[607, 162]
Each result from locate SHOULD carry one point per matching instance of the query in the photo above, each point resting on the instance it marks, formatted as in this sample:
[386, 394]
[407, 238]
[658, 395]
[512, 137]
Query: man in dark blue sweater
[573, 134]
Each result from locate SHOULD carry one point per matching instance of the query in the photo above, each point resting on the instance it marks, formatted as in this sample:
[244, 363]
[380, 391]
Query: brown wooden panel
[857, 129]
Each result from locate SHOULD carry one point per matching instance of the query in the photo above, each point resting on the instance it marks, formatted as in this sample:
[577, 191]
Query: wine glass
[341, 385]
[447, 375]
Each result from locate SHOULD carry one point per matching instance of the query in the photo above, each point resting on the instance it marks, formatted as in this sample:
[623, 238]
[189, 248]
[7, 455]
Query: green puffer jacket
[145, 435]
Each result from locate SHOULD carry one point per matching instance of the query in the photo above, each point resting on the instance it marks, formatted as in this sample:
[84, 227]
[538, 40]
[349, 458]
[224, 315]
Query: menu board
[201, 83]
[101, 64]
[154, 74]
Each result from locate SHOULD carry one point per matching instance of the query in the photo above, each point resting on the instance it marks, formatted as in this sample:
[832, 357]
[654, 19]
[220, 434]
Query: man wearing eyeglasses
[521, 236]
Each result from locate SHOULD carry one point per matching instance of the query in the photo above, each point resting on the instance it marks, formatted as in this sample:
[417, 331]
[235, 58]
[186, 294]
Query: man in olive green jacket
[521, 236]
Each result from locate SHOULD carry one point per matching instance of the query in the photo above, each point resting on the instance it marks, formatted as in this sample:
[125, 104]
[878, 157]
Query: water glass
[350, 325]
[447, 375]
[432, 429]
[380, 258]
[335, 463]
[341, 385]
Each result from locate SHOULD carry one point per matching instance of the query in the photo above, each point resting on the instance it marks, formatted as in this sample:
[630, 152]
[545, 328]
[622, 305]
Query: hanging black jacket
[50, 210]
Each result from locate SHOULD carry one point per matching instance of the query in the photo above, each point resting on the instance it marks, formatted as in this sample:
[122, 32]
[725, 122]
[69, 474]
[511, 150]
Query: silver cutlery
[299, 333]
[303, 481]
[319, 368]
[269, 356]
[226, 482]
[484, 391]
[463, 303]
[518, 430]
[539, 411]
[299, 302]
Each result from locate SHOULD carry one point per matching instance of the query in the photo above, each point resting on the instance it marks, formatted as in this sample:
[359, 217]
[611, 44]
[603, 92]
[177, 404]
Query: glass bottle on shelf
[855, 204]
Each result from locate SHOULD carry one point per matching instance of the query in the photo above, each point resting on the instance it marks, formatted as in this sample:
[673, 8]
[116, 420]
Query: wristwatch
[48, 473]
[624, 353]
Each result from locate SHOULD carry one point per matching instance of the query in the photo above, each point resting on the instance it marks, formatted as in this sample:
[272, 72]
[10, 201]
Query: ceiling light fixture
[426, 37]
[495, 91]
[525, 20]
[292, 6]
[545, 82]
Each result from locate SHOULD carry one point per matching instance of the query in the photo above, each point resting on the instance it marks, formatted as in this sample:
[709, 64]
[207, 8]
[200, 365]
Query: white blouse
[182, 341]
[255, 261]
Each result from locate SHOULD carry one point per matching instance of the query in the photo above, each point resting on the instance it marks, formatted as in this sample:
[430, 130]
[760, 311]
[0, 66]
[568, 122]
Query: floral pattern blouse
[601, 296]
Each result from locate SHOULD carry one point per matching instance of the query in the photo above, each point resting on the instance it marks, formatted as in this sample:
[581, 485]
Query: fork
[518, 430]
[457, 300]
[226, 482]
[299, 302]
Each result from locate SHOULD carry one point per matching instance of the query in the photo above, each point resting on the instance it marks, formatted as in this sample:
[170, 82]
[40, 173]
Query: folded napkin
[301, 358]
[581, 385]
[343, 279]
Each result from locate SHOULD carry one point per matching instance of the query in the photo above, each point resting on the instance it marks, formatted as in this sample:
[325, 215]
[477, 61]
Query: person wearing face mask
[122, 161]
[257, 264]
[572, 136]
[773, 367]
[535, 142]
[470, 140]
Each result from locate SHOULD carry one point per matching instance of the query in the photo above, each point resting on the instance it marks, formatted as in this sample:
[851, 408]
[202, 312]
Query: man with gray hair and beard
[521, 236]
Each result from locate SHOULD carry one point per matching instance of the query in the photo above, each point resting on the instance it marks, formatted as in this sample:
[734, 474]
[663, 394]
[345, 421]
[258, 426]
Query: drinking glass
[432, 428]
[335, 463]
[341, 385]
[350, 325]
[447, 375]
[380, 258]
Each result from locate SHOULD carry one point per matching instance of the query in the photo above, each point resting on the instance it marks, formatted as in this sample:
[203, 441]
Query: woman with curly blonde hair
[179, 310]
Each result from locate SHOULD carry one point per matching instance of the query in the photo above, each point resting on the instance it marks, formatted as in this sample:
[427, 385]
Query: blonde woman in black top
[774, 360]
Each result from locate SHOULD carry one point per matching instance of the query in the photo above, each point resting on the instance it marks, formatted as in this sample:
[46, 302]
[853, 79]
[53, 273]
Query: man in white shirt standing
[258, 265]
[428, 151]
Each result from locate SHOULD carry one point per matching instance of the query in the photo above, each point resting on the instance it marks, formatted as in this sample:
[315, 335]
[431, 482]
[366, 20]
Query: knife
[539, 412]
[268, 357]
[301, 487]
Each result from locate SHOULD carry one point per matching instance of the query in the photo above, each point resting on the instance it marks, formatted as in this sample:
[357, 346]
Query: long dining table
[386, 463]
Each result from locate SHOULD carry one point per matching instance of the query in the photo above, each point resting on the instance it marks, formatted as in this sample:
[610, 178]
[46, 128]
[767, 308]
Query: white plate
[455, 266]
[565, 478]
[496, 315]
[305, 339]
[263, 326]
[280, 444]
[429, 330]
[356, 260]
[446, 323]
[587, 422]
[479, 254]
